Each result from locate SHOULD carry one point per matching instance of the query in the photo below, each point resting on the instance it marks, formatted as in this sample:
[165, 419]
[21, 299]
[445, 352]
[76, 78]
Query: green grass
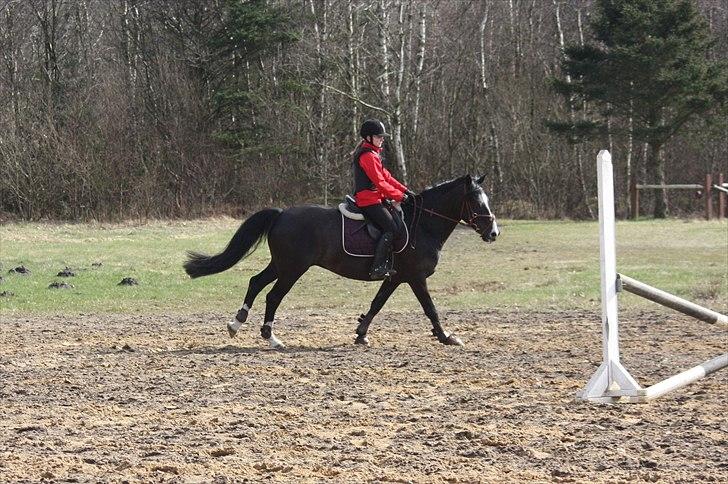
[533, 265]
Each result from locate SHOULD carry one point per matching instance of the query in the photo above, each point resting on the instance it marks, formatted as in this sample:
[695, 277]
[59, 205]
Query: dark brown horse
[301, 237]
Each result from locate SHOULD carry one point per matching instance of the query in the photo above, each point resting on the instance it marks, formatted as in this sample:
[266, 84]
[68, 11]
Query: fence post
[721, 197]
[708, 196]
[634, 197]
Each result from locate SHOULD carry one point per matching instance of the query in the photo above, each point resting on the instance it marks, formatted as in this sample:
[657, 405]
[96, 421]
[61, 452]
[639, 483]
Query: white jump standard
[612, 382]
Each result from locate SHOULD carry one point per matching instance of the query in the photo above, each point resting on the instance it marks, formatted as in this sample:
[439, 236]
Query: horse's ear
[480, 180]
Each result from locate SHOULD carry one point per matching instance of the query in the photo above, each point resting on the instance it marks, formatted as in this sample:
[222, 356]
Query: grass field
[533, 265]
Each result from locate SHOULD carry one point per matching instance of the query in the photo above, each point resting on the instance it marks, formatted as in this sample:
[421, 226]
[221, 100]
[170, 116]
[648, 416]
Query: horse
[304, 236]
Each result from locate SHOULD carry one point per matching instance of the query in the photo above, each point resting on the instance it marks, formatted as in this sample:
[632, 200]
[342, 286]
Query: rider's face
[378, 141]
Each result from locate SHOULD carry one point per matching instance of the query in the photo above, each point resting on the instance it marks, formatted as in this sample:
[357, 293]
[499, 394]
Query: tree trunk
[353, 65]
[321, 34]
[656, 174]
[497, 182]
[397, 116]
[10, 57]
[384, 46]
[576, 151]
[630, 173]
[420, 66]
[395, 105]
[515, 37]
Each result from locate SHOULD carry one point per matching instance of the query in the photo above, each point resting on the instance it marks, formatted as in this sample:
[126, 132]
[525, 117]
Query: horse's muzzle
[492, 234]
[489, 237]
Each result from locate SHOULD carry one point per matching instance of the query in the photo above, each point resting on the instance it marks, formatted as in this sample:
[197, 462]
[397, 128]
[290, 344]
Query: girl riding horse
[373, 184]
[305, 236]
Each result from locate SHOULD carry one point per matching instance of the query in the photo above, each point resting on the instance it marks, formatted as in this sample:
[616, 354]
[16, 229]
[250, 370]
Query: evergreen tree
[649, 63]
[250, 31]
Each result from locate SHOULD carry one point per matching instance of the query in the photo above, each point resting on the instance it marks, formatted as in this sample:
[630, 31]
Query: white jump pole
[611, 378]
[681, 379]
[612, 382]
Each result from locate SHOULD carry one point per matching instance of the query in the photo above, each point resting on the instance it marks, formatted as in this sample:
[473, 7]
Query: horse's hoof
[233, 327]
[275, 343]
[361, 340]
[453, 340]
[450, 340]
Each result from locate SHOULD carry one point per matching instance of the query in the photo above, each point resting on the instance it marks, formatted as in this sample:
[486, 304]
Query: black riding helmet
[372, 127]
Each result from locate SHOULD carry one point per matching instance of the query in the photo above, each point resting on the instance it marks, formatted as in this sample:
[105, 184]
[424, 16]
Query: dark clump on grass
[22, 270]
[128, 281]
[7, 294]
[96, 265]
[60, 285]
[67, 272]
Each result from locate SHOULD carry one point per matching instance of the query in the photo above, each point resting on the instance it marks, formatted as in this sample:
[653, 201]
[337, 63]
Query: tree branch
[355, 99]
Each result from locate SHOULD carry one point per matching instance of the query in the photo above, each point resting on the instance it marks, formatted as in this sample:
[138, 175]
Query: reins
[466, 204]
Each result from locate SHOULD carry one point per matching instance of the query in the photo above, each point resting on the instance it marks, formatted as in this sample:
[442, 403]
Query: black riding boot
[381, 257]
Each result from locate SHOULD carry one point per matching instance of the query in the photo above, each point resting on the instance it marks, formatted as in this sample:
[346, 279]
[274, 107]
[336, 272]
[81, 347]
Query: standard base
[611, 382]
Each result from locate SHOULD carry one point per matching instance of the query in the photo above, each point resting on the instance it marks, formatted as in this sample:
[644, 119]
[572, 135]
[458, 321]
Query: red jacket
[385, 185]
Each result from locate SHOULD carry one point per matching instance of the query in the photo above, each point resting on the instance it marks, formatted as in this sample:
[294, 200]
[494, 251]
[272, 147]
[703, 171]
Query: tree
[250, 31]
[649, 62]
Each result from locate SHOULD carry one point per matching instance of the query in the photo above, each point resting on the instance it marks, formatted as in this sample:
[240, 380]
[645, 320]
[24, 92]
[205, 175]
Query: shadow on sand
[235, 350]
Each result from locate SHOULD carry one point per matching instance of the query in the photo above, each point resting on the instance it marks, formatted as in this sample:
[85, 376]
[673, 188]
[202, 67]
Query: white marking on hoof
[275, 343]
[453, 340]
[233, 327]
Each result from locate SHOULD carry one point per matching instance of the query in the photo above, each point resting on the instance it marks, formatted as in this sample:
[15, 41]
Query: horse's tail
[250, 234]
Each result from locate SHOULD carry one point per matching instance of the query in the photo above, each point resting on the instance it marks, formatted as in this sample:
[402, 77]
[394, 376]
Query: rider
[372, 185]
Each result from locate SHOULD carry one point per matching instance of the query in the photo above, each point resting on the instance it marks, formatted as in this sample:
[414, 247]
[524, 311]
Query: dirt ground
[141, 398]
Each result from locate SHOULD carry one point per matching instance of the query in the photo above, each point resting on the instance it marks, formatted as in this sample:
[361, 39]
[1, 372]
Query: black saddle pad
[357, 241]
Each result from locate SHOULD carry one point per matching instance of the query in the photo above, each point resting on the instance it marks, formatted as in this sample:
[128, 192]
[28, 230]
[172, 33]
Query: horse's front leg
[386, 290]
[419, 287]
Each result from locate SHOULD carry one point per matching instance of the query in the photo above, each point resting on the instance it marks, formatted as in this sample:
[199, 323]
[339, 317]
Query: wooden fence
[706, 191]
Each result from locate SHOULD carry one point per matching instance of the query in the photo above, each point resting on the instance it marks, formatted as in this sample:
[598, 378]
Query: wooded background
[114, 109]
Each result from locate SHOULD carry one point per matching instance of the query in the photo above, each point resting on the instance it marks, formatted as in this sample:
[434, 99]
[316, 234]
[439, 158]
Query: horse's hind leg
[257, 283]
[272, 301]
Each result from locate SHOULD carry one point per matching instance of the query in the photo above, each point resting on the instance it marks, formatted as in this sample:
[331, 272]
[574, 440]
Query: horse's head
[476, 210]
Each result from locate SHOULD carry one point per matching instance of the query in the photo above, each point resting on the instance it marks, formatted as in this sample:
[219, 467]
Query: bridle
[471, 222]
[474, 215]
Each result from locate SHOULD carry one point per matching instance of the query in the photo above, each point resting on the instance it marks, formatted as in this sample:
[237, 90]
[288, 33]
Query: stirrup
[381, 273]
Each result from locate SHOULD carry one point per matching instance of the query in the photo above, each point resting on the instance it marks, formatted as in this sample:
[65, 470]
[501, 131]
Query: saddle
[359, 236]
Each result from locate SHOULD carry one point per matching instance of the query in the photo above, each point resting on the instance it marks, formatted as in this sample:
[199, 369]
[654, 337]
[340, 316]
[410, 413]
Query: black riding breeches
[381, 217]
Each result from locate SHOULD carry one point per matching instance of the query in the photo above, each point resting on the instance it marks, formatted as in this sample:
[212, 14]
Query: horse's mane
[443, 186]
